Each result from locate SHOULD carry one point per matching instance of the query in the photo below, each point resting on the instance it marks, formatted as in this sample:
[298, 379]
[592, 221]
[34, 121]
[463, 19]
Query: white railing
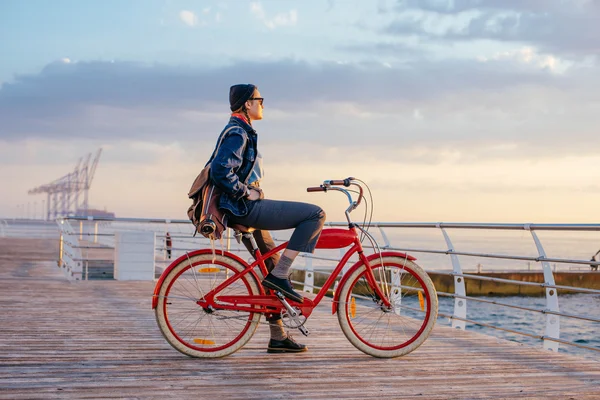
[438, 253]
[83, 237]
[458, 318]
[69, 253]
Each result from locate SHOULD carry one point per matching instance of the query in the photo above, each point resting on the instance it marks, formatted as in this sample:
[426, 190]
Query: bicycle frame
[264, 303]
[208, 303]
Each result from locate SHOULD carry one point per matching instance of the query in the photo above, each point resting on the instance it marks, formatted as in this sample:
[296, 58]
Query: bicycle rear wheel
[198, 332]
[388, 332]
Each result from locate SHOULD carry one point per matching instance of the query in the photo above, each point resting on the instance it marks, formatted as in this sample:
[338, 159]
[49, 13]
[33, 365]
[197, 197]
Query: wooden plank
[99, 339]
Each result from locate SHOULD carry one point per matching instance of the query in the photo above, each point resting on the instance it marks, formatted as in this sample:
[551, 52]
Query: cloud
[569, 28]
[61, 89]
[458, 6]
[529, 55]
[188, 17]
[456, 110]
[384, 49]
[289, 18]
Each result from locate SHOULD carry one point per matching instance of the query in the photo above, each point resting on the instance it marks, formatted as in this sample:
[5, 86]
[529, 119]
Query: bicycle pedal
[303, 330]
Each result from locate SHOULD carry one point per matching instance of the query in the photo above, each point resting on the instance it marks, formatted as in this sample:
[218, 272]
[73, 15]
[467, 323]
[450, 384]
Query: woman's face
[255, 107]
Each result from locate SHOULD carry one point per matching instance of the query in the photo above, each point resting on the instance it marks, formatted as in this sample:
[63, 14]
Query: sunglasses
[260, 99]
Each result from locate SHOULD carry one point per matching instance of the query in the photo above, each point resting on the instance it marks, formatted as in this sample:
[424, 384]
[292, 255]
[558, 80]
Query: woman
[237, 170]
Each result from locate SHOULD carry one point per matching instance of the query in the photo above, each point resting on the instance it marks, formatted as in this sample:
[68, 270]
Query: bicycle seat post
[250, 237]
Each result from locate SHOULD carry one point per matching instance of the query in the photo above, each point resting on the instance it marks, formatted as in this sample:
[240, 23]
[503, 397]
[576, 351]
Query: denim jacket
[230, 167]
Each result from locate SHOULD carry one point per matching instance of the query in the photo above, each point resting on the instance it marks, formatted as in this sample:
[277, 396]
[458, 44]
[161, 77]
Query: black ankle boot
[282, 285]
[287, 345]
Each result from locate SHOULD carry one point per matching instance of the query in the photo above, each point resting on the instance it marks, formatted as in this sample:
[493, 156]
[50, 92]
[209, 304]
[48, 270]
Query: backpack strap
[219, 142]
[204, 175]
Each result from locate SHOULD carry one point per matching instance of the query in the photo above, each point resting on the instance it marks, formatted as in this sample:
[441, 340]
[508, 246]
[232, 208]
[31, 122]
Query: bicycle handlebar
[345, 182]
[328, 185]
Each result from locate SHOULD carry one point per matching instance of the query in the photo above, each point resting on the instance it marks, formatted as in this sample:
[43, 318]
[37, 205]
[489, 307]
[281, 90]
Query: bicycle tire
[197, 332]
[393, 332]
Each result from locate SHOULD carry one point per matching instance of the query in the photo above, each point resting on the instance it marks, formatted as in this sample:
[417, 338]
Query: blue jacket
[230, 167]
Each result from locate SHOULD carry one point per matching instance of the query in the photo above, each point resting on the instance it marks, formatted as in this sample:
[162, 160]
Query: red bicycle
[209, 304]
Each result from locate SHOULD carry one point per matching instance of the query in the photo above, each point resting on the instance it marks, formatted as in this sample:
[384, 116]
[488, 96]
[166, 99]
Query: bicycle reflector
[421, 301]
[353, 308]
[204, 341]
[207, 270]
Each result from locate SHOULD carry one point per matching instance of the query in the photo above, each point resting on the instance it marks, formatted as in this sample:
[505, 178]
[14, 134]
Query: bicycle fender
[185, 257]
[358, 264]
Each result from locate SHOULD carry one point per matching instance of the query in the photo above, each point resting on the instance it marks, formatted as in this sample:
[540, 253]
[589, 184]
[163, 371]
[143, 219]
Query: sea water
[579, 331]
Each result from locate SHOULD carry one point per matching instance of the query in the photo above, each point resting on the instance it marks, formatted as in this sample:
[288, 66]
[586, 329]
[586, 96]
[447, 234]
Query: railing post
[552, 321]
[460, 304]
[60, 250]
[71, 252]
[396, 292]
[309, 276]
[228, 235]
[384, 236]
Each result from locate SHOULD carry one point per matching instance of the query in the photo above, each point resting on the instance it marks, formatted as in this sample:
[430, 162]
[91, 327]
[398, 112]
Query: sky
[451, 110]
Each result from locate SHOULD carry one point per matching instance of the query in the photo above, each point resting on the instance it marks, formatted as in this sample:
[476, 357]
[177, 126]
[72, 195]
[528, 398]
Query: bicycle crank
[292, 317]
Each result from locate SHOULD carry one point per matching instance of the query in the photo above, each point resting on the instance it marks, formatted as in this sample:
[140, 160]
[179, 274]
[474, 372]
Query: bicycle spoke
[183, 290]
[380, 327]
[186, 328]
[205, 329]
[196, 280]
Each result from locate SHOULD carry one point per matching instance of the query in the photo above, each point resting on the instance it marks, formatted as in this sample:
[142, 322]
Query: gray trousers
[273, 215]
[265, 215]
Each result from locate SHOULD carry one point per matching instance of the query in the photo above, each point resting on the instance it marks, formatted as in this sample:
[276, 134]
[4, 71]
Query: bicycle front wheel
[199, 332]
[393, 331]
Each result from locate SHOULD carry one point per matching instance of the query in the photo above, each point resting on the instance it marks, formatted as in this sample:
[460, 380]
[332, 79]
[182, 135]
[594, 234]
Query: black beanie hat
[239, 94]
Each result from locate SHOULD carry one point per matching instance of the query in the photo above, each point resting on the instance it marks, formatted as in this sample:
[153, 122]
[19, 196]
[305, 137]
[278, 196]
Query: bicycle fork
[293, 314]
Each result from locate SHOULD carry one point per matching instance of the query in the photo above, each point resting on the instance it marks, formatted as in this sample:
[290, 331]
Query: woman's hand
[255, 194]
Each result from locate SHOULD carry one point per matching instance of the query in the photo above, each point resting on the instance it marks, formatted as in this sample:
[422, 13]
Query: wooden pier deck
[99, 339]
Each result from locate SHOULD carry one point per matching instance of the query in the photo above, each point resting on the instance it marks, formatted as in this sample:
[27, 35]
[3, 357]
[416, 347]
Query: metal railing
[551, 337]
[84, 233]
[82, 240]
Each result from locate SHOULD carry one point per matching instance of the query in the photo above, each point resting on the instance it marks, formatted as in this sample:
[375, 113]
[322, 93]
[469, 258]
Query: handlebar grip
[345, 182]
[316, 189]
